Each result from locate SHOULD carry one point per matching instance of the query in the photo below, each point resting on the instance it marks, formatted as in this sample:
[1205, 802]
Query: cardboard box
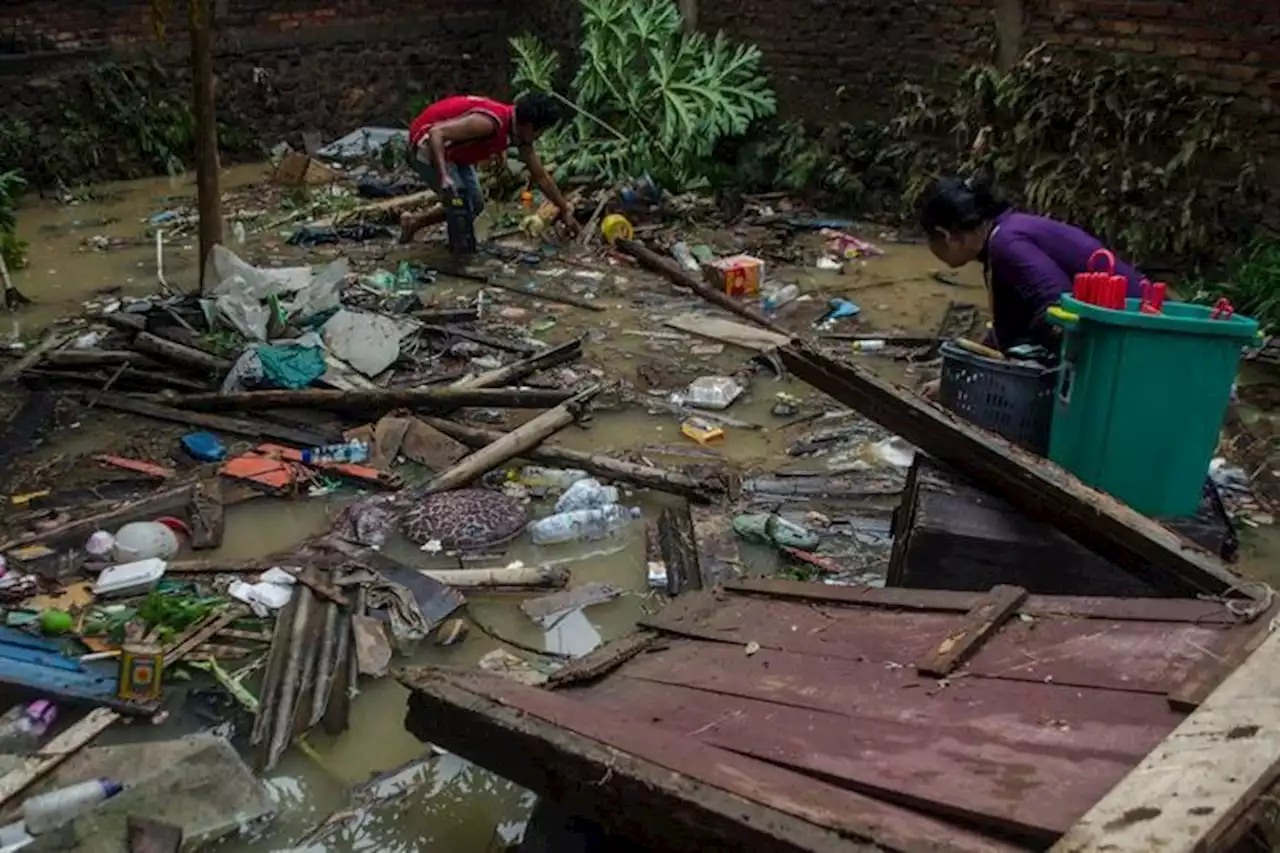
[297, 170]
[740, 275]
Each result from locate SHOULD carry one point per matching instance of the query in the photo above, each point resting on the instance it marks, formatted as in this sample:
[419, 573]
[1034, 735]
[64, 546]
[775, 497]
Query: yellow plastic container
[616, 227]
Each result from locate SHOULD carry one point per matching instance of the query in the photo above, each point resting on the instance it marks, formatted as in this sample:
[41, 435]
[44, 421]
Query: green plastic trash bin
[1141, 398]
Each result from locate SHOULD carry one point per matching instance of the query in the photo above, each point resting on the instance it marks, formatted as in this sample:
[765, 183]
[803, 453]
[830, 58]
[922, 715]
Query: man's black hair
[539, 110]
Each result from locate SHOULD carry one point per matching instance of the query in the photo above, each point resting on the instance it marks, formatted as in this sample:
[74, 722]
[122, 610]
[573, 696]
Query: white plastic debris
[272, 591]
[712, 392]
[100, 543]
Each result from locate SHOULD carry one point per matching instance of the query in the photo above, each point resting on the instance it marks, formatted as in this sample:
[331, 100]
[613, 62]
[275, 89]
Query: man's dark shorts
[465, 178]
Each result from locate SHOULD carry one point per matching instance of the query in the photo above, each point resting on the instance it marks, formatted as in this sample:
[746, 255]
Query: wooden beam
[981, 622]
[217, 423]
[1037, 487]
[672, 791]
[377, 400]
[1188, 792]
[679, 550]
[209, 198]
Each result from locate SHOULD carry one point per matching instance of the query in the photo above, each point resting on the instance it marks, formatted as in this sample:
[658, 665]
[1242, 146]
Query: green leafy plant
[12, 249]
[1251, 280]
[1135, 152]
[648, 97]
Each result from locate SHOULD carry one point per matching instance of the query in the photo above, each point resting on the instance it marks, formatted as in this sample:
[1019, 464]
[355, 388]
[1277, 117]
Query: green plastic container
[1141, 399]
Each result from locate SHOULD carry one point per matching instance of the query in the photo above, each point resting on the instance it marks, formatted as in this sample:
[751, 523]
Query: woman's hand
[929, 390]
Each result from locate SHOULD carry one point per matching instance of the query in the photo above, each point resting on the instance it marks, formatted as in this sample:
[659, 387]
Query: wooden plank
[602, 661]
[679, 550]
[208, 522]
[1188, 792]
[547, 609]
[155, 504]
[672, 791]
[1141, 657]
[1042, 490]
[727, 331]
[981, 622]
[1214, 668]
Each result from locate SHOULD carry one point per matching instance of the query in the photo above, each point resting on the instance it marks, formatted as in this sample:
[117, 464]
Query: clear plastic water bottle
[780, 296]
[50, 811]
[869, 346]
[553, 479]
[353, 451]
[582, 525]
[21, 732]
[587, 494]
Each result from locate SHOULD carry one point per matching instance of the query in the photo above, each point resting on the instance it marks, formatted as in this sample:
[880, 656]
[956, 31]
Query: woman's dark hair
[956, 206]
[539, 110]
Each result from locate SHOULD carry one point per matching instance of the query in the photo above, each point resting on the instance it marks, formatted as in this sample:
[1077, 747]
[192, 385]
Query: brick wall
[284, 67]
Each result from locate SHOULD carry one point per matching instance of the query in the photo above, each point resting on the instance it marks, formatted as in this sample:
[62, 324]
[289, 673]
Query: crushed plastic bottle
[50, 811]
[764, 527]
[551, 479]
[587, 494]
[582, 525]
[353, 451]
[712, 392]
[23, 727]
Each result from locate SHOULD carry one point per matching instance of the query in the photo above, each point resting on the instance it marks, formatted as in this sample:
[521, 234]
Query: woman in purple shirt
[1027, 261]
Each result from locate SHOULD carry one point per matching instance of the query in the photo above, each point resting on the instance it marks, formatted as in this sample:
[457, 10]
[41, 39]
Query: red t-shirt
[477, 150]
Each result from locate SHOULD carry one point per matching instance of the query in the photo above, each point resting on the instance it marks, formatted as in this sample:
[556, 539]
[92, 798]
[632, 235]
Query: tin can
[141, 671]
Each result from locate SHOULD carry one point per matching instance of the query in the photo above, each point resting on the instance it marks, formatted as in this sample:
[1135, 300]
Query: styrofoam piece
[130, 578]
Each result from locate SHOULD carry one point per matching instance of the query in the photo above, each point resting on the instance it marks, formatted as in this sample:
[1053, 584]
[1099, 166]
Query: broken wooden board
[981, 622]
[1043, 490]
[949, 534]
[1187, 793]
[546, 609]
[727, 331]
[208, 521]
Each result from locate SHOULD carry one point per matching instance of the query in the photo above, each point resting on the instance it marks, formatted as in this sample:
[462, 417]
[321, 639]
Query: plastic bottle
[51, 810]
[145, 540]
[14, 837]
[780, 296]
[681, 253]
[587, 494]
[582, 525]
[868, 346]
[23, 731]
[353, 451]
[238, 233]
[555, 479]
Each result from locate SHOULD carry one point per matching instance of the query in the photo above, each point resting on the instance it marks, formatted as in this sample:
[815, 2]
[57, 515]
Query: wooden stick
[51, 341]
[180, 353]
[218, 423]
[643, 476]
[1035, 486]
[562, 298]
[522, 576]
[982, 621]
[518, 370]
[512, 444]
[439, 399]
[659, 264]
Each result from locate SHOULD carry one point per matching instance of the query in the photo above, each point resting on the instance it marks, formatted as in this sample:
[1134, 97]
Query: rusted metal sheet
[1056, 705]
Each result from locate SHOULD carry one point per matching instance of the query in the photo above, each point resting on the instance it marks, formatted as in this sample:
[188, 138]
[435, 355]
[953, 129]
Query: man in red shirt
[451, 137]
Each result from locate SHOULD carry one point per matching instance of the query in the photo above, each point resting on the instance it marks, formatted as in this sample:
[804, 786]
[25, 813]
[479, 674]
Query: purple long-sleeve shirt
[1029, 262]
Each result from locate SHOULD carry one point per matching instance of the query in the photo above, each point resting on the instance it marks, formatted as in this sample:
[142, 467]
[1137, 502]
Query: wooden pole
[210, 198]
[512, 444]
[438, 399]
[518, 370]
[659, 264]
[698, 490]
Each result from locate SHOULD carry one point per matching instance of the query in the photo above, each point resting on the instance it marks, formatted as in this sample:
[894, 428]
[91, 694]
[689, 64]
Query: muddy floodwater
[97, 248]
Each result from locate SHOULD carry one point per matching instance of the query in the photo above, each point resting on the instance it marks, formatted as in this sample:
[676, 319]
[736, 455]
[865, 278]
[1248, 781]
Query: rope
[1258, 599]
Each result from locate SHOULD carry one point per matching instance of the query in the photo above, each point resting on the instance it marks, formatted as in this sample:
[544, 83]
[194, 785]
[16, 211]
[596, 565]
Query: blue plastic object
[204, 447]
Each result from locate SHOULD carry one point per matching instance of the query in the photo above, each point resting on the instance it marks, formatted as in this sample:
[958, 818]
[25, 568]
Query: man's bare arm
[467, 128]
[542, 178]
